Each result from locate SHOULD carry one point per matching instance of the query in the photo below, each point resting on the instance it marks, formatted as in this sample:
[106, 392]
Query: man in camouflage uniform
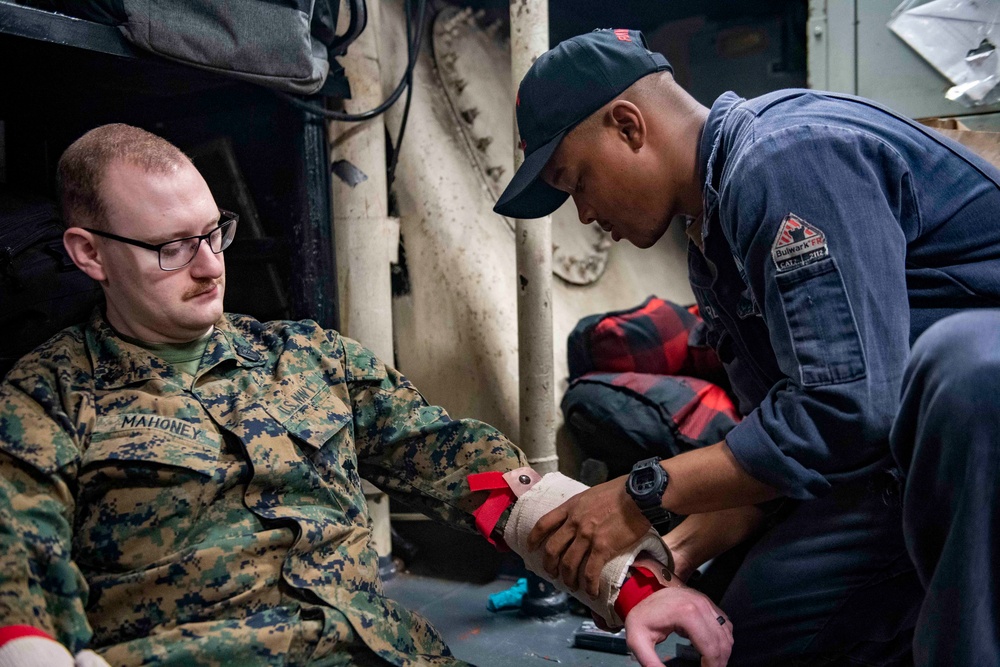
[183, 486]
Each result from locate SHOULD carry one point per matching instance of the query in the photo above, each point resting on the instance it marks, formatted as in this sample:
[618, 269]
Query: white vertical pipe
[360, 212]
[529, 38]
[366, 238]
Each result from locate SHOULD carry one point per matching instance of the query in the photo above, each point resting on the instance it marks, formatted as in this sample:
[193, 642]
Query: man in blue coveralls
[845, 260]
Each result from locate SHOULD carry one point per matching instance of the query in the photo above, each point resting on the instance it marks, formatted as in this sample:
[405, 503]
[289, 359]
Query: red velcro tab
[639, 586]
[501, 497]
[487, 481]
[9, 633]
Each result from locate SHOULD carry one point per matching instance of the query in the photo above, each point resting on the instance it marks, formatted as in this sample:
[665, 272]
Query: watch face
[646, 484]
[643, 481]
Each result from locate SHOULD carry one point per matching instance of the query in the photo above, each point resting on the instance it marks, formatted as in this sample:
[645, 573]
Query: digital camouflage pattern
[219, 519]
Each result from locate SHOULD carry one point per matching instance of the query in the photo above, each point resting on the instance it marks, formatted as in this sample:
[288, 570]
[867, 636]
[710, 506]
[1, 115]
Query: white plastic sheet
[959, 38]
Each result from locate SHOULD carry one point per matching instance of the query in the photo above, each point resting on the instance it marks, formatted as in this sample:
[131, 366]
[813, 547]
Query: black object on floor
[592, 637]
[543, 599]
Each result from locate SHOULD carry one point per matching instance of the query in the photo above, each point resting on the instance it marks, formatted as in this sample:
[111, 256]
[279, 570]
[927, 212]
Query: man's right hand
[580, 536]
[688, 613]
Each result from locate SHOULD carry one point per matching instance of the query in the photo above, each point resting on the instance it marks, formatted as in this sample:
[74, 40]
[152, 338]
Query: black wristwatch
[646, 484]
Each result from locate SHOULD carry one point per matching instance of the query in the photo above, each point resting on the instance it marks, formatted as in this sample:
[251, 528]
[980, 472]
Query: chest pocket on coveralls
[821, 324]
[143, 486]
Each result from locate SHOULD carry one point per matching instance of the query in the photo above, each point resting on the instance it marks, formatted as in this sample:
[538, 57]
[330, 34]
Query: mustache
[203, 286]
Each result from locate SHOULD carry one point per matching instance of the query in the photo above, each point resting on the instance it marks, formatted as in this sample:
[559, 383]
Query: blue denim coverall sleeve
[839, 326]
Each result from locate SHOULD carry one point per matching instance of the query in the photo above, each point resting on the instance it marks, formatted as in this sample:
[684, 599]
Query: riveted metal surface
[465, 45]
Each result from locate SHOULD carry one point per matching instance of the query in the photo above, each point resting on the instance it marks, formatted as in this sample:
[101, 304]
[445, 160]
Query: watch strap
[660, 518]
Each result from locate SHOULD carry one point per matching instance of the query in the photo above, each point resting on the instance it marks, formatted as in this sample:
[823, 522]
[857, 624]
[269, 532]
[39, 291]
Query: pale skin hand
[688, 613]
[580, 536]
[697, 539]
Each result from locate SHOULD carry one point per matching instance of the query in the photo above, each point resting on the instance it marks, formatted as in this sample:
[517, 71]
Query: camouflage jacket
[219, 519]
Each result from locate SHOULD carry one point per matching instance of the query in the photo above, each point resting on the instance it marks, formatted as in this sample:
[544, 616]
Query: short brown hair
[82, 167]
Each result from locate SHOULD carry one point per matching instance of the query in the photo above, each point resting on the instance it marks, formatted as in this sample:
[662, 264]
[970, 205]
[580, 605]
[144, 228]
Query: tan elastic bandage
[550, 492]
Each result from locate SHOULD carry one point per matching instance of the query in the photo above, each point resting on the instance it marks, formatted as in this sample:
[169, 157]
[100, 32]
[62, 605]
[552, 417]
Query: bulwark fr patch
[798, 243]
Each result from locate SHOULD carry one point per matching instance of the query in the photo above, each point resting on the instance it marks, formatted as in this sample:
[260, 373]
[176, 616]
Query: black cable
[399, 138]
[414, 51]
[391, 171]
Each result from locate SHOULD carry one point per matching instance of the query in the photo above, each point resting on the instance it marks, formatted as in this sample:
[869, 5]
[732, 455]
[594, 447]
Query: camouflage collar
[118, 363]
[227, 343]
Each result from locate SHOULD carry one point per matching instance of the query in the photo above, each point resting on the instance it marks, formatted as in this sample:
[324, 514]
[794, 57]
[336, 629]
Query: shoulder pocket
[821, 324]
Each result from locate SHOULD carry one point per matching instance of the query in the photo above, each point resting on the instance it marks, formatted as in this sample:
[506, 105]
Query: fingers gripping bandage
[550, 492]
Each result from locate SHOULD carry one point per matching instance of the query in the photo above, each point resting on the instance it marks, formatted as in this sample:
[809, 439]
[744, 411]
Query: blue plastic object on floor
[510, 598]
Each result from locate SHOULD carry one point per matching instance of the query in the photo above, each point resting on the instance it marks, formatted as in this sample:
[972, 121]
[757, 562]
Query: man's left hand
[688, 613]
[580, 536]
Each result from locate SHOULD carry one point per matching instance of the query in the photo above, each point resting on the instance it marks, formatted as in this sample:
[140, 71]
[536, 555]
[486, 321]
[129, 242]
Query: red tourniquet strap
[501, 497]
[639, 586]
[487, 481]
[9, 633]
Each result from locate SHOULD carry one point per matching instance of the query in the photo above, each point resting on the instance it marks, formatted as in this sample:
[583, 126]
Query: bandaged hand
[688, 613]
[580, 536]
[552, 491]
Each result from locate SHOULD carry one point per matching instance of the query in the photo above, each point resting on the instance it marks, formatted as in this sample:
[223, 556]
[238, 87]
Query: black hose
[406, 81]
[391, 171]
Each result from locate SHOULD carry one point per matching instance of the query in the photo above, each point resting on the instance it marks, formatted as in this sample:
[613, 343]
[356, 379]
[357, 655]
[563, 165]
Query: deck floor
[487, 639]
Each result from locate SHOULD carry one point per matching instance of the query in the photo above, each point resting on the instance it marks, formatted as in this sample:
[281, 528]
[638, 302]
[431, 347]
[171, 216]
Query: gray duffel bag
[282, 44]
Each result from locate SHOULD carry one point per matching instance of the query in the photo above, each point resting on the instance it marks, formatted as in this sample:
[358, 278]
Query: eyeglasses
[179, 253]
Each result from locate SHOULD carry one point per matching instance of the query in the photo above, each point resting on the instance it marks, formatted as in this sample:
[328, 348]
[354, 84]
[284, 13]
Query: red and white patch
[797, 244]
[623, 35]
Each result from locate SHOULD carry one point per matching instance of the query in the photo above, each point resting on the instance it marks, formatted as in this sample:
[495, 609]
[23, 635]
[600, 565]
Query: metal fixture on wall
[463, 42]
[852, 50]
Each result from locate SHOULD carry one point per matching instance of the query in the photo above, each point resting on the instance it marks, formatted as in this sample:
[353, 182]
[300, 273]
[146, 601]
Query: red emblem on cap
[623, 35]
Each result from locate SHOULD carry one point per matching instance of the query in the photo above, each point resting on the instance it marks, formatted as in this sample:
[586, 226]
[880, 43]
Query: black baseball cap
[561, 89]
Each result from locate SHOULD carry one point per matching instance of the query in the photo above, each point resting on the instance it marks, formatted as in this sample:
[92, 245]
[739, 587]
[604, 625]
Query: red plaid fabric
[697, 412]
[657, 337]
[643, 382]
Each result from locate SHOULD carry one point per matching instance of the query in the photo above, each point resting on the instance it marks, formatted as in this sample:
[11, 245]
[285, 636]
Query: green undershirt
[184, 357]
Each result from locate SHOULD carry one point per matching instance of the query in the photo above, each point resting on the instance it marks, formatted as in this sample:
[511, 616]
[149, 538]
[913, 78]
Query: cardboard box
[986, 144]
